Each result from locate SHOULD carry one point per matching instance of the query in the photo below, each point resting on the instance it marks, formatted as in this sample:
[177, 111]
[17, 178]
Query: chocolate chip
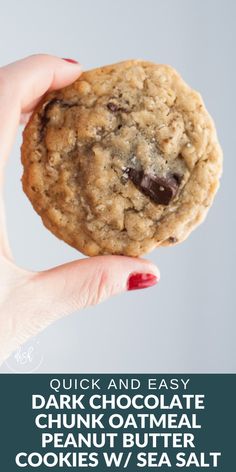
[159, 189]
[177, 177]
[54, 101]
[44, 117]
[172, 239]
[58, 101]
[114, 108]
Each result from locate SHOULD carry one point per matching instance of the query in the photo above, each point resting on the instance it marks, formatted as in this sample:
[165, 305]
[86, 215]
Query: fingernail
[72, 61]
[138, 281]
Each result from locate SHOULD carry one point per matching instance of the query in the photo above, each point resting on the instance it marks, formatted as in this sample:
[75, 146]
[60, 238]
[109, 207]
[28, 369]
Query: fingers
[39, 299]
[32, 76]
[36, 74]
[21, 86]
[76, 285]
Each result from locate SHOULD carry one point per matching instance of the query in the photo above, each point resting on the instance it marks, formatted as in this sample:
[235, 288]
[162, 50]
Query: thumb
[23, 83]
[75, 285]
[39, 299]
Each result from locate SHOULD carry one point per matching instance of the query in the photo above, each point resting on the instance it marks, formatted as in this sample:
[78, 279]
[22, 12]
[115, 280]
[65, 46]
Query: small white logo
[27, 358]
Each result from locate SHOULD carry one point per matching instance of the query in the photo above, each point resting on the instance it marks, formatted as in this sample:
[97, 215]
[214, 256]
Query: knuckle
[99, 288]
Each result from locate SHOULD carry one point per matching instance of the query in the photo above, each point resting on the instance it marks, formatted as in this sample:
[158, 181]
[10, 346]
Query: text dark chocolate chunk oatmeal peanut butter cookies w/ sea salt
[123, 160]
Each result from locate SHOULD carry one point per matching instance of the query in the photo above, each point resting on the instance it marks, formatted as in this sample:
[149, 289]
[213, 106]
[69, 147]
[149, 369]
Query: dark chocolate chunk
[159, 189]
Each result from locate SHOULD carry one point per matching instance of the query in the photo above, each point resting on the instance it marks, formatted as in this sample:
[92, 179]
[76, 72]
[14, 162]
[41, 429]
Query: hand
[30, 301]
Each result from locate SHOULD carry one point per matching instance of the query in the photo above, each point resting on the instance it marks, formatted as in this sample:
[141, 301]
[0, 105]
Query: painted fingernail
[72, 61]
[138, 281]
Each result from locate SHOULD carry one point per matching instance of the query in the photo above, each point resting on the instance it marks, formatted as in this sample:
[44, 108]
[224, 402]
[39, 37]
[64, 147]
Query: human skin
[30, 301]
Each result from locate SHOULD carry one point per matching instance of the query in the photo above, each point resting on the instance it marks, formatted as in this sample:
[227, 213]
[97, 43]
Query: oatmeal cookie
[123, 160]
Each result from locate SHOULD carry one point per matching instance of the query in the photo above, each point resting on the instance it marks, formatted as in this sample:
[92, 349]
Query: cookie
[123, 160]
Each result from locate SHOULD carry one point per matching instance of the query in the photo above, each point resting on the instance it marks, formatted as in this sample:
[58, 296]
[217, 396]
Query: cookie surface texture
[123, 160]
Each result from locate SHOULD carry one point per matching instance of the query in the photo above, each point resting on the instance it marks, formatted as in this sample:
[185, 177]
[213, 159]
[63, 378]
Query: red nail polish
[137, 281]
[72, 61]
